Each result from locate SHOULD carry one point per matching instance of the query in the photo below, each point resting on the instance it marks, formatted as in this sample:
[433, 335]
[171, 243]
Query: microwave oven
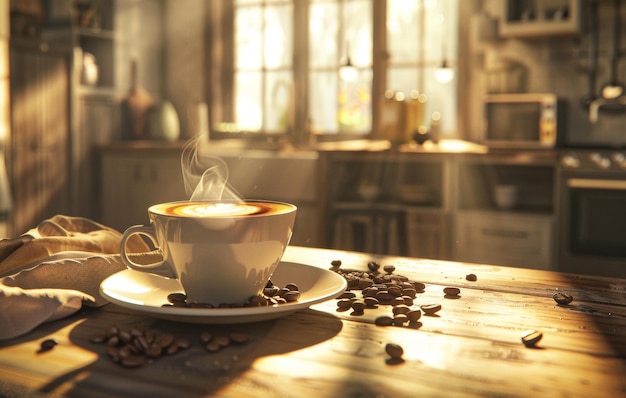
[526, 120]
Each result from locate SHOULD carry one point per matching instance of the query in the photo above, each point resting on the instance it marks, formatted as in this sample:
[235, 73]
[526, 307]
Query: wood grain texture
[472, 346]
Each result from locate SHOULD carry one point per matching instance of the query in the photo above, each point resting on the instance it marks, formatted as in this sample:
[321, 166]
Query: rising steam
[205, 176]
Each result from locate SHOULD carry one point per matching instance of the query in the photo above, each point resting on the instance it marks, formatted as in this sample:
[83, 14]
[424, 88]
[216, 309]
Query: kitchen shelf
[539, 18]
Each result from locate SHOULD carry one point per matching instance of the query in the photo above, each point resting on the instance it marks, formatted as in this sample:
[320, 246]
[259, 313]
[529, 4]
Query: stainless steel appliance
[527, 120]
[592, 206]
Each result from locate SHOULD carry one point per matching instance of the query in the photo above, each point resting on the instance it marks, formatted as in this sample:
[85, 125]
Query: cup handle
[162, 268]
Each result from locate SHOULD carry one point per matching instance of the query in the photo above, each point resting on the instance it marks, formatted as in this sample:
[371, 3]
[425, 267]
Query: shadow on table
[194, 371]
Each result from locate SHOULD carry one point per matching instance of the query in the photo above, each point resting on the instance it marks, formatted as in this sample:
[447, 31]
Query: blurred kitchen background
[478, 130]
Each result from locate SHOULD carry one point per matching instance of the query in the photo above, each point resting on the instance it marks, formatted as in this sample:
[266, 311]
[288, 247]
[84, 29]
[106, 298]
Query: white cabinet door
[130, 184]
[505, 239]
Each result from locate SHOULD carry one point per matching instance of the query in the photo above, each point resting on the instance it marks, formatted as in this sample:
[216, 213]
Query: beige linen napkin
[50, 271]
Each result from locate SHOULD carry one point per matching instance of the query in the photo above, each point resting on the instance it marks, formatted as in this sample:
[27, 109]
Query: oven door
[593, 225]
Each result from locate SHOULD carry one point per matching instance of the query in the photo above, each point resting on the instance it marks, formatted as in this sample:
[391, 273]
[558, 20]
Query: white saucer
[145, 292]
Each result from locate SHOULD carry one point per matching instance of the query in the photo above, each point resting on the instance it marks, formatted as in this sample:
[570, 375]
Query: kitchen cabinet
[131, 181]
[505, 239]
[388, 202]
[519, 231]
[539, 18]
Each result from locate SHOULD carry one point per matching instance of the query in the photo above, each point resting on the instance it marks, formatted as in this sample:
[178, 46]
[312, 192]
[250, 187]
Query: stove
[592, 211]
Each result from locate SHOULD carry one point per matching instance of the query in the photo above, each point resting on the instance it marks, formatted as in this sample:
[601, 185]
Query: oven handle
[586, 183]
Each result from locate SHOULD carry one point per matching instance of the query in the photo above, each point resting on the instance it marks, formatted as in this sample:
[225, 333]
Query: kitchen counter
[471, 347]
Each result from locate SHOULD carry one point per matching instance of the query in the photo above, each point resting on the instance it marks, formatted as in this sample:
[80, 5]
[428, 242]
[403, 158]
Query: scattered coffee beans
[221, 341]
[134, 347]
[530, 338]
[471, 277]
[271, 295]
[563, 298]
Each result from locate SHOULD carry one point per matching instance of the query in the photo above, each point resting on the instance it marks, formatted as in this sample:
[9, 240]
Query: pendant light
[347, 71]
[444, 72]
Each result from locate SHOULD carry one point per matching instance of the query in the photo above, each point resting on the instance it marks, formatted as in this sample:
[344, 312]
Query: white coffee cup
[221, 252]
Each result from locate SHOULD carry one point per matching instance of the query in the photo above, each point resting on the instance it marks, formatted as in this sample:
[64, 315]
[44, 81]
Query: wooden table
[471, 347]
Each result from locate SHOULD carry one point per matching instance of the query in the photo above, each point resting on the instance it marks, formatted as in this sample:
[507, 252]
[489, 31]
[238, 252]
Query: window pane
[278, 36]
[402, 30]
[323, 33]
[248, 38]
[323, 101]
[248, 112]
[279, 102]
[414, 58]
[357, 19]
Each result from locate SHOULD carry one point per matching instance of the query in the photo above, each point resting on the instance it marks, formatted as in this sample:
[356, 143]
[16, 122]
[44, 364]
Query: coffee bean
[452, 291]
[370, 302]
[414, 315]
[408, 300]
[400, 309]
[419, 286]
[133, 361]
[471, 277]
[271, 291]
[239, 337]
[384, 320]
[344, 304]
[173, 349]
[430, 309]
[177, 297]
[370, 291]
[182, 343]
[98, 339]
[125, 336]
[47, 345]
[292, 286]
[563, 298]
[389, 268]
[400, 319]
[530, 338]
[222, 340]
[213, 347]
[384, 296]
[395, 291]
[394, 350]
[358, 306]
[336, 263]
[397, 301]
[205, 337]
[154, 351]
[347, 295]
[373, 266]
[165, 340]
[291, 296]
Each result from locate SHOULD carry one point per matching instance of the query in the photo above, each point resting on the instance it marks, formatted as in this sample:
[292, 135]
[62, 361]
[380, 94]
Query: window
[283, 63]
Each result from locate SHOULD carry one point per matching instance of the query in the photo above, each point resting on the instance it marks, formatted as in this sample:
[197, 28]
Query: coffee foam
[219, 209]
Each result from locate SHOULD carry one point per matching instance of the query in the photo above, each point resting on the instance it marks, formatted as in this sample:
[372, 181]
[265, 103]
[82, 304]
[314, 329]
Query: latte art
[219, 209]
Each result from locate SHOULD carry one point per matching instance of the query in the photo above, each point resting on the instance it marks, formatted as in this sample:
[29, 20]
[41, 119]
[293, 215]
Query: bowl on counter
[505, 196]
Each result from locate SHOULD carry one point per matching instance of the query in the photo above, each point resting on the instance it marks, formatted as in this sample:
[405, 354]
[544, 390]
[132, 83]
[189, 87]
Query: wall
[551, 64]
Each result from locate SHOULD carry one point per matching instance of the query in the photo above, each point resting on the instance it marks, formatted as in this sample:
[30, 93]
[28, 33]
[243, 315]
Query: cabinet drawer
[505, 239]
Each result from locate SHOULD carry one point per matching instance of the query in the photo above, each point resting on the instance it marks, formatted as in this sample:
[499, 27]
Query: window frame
[221, 67]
